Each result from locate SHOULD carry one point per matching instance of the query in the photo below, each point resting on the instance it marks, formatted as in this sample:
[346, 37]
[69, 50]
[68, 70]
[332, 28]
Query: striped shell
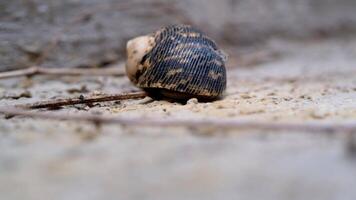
[180, 62]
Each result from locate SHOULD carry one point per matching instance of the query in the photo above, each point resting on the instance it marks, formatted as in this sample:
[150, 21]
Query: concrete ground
[281, 81]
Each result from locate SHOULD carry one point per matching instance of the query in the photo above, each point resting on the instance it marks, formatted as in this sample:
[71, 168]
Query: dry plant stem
[83, 100]
[62, 71]
[210, 123]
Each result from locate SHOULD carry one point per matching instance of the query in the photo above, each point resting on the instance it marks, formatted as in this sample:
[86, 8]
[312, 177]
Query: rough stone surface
[283, 81]
[71, 33]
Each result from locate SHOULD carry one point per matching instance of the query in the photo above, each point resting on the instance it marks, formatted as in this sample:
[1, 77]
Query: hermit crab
[177, 62]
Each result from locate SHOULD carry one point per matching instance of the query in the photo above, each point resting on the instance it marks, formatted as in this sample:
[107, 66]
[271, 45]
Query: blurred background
[290, 61]
[92, 33]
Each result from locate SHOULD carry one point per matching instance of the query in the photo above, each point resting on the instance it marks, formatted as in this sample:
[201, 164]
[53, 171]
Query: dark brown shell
[184, 63]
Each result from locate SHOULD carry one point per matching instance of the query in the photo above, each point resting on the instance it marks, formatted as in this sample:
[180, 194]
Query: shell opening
[136, 49]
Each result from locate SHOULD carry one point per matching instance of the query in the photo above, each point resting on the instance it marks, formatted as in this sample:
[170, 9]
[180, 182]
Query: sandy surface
[283, 81]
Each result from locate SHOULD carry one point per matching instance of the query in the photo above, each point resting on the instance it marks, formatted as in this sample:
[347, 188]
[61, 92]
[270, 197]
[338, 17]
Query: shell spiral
[183, 63]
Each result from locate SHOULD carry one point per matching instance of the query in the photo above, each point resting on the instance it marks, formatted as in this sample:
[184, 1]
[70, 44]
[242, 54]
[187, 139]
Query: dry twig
[192, 123]
[62, 71]
[83, 100]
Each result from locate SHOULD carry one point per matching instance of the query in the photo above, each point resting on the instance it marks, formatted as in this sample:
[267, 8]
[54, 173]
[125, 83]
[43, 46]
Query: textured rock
[46, 159]
[94, 32]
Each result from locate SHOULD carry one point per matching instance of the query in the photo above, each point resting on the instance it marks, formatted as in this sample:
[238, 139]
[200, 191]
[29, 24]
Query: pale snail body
[177, 62]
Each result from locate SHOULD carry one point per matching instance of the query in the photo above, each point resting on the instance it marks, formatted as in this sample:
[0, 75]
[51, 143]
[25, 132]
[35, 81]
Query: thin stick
[83, 100]
[214, 123]
[62, 71]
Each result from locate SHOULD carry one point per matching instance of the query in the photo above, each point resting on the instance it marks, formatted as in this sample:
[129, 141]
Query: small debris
[251, 111]
[351, 145]
[192, 101]
[306, 97]
[287, 98]
[22, 94]
[321, 112]
[146, 100]
[97, 93]
[245, 96]
[7, 116]
[219, 106]
[82, 107]
[82, 89]
[81, 97]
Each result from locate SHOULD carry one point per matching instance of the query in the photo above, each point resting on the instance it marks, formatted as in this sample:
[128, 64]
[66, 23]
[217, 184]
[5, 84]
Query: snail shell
[178, 62]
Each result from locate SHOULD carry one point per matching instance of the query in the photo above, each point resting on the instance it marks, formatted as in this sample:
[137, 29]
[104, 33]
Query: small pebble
[192, 101]
[321, 112]
[245, 96]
